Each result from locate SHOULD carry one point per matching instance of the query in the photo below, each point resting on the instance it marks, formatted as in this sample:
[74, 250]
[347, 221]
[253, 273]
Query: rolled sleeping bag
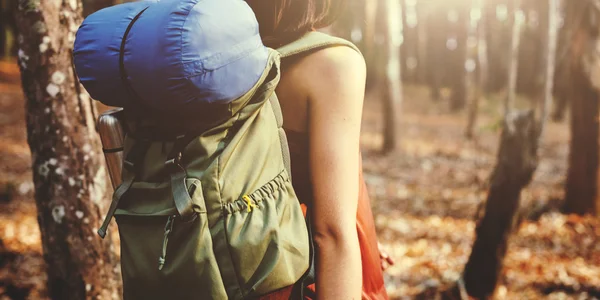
[179, 55]
[96, 51]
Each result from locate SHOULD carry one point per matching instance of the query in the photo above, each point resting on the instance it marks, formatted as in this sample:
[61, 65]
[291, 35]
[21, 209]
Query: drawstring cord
[168, 230]
[249, 204]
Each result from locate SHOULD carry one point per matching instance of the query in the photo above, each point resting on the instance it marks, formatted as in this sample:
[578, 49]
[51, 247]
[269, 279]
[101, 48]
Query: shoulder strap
[313, 41]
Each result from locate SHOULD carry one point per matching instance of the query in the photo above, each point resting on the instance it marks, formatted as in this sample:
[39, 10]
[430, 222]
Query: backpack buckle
[174, 162]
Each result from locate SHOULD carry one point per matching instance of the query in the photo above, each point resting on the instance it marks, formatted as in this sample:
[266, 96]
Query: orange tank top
[373, 284]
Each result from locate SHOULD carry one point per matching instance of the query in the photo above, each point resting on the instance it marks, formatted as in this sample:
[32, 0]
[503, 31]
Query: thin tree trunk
[516, 162]
[410, 45]
[3, 25]
[436, 24]
[371, 23]
[422, 40]
[70, 179]
[481, 77]
[551, 46]
[392, 98]
[458, 99]
[518, 19]
[561, 77]
[561, 106]
[582, 176]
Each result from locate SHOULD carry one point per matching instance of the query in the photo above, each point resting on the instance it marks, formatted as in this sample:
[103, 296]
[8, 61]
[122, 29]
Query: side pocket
[149, 229]
[267, 237]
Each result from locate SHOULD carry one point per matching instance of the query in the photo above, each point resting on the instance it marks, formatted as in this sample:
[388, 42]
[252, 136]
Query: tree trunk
[91, 6]
[458, 79]
[550, 58]
[370, 34]
[498, 37]
[481, 77]
[70, 179]
[410, 45]
[422, 40]
[436, 24]
[516, 162]
[582, 176]
[3, 25]
[7, 26]
[561, 78]
[518, 19]
[392, 92]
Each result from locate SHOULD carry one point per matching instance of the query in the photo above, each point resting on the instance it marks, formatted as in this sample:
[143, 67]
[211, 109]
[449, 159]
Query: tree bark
[582, 176]
[68, 171]
[392, 92]
[518, 19]
[516, 162]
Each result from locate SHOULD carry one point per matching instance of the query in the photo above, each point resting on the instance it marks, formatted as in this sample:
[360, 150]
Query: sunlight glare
[412, 63]
[476, 14]
[412, 19]
[472, 42]
[451, 43]
[452, 16]
[470, 65]
[533, 20]
[411, 3]
[501, 12]
[356, 35]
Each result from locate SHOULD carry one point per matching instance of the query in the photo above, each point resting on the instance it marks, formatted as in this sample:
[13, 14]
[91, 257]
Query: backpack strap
[313, 41]
[178, 174]
[310, 42]
[131, 163]
[282, 137]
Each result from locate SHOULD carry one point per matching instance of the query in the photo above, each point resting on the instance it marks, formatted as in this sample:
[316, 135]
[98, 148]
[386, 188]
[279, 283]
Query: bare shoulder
[326, 78]
[335, 63]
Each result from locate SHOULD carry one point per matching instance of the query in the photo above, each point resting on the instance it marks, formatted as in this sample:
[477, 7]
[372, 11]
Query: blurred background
[480, 144]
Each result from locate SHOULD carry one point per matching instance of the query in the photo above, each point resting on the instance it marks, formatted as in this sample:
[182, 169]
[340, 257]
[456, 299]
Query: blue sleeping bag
[170, 55]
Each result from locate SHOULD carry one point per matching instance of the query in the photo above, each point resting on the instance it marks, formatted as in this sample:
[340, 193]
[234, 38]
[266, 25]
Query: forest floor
[426, 198]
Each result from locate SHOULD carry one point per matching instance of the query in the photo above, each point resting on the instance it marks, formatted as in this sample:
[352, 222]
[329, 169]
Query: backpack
[206, 208]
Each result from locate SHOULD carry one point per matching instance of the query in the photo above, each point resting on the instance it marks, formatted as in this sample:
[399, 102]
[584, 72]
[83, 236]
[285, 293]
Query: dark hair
[283, 21]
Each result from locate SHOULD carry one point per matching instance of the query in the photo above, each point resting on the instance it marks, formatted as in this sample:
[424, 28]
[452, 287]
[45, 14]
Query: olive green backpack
[210, 213]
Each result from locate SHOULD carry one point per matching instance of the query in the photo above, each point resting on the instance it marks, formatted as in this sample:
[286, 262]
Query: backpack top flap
[178, 55]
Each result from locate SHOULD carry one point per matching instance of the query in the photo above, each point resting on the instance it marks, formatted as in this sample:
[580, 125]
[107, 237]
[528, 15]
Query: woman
[321, 95]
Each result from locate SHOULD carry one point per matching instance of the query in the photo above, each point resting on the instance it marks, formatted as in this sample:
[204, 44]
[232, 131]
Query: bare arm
[336, 92]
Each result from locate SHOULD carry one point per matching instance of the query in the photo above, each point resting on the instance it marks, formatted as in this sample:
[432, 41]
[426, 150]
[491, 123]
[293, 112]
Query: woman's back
[321, 94]
[302, 80]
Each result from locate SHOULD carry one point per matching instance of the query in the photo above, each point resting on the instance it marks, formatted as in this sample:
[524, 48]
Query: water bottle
[112, 137]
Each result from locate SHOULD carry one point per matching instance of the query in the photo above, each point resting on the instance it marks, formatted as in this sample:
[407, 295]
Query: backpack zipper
[168, 230]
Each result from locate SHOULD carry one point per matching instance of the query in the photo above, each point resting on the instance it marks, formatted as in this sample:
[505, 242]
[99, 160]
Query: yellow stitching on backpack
[249, 203]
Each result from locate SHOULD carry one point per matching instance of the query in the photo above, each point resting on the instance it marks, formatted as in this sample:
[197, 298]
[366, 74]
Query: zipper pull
[168, 230]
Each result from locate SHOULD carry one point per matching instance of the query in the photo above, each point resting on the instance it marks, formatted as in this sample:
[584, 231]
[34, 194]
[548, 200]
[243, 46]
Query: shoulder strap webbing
[313, 41]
